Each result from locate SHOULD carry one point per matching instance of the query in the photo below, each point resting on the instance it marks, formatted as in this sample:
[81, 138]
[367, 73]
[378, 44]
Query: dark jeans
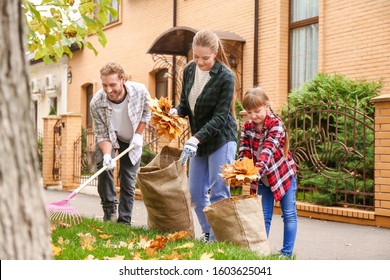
[106, 186]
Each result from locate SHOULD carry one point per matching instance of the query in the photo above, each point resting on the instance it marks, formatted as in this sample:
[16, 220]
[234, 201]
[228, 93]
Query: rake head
[62, 213]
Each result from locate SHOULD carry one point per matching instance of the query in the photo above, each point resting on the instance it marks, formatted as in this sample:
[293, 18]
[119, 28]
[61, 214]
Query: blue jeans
[107, 190]
[289, 214]
[204, 177]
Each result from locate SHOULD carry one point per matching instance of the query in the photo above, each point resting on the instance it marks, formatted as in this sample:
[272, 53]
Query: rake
[62, 213]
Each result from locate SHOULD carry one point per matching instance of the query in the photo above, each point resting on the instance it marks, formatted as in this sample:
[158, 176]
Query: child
[264, 139]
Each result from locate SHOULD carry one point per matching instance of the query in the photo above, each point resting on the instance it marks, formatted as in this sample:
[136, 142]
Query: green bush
[329, 101]
[147, 155]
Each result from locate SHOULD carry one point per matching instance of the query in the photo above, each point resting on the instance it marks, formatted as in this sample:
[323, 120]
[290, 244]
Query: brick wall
[70, 133]
[382, 156]
[355, 39]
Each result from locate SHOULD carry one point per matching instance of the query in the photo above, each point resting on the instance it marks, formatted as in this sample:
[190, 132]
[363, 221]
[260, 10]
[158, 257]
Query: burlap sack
[239, 220]
[164, 187]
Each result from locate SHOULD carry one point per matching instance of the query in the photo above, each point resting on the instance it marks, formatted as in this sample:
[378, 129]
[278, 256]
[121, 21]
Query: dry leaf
[87, 240]
[240, 172]
[136, 256]
[187, 245]
[178, 235]
[90, 258]
[158, 243]
[167, 125]
[151, 252]
[117, 257]
[98, 229]
[64, 225]
[56, 250]
[173, 256]
[207, 256]
[105, 236]
[143, 242]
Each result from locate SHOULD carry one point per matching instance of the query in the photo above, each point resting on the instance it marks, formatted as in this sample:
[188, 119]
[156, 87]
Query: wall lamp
[69, 77]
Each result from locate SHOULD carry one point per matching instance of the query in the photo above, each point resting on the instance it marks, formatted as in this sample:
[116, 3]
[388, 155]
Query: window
[162, 83]
[303, 41]
[53, 106]
[114, 5]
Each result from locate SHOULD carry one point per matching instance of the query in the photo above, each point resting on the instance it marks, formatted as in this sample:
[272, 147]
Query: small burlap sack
[164, 187]
[239, 220]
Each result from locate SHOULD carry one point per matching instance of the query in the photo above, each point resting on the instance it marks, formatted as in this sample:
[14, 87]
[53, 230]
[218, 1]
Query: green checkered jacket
[213, 123]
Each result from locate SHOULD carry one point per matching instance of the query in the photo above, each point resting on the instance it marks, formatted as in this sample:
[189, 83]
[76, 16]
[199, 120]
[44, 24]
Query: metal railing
[333, 147]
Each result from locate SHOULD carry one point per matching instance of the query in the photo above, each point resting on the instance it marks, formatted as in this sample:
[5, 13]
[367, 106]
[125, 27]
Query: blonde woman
[207, 98]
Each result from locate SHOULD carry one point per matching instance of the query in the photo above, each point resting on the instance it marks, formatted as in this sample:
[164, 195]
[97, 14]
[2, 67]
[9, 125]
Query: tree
[24, 227]
[53, 26]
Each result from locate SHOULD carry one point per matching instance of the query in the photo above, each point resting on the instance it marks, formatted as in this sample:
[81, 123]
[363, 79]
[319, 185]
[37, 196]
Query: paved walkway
[316, 239]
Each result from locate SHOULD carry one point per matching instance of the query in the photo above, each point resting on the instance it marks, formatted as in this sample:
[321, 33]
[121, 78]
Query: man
[120, 113]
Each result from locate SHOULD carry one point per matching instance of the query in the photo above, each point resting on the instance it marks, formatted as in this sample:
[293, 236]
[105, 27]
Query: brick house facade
[352, 38]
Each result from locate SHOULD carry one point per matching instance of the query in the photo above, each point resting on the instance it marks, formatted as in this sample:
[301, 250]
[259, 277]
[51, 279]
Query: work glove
[137, 140]
[174, 111]
[189, 149]
[109, 162]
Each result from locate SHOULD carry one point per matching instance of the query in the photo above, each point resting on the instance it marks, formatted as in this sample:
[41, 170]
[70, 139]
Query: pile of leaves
[167, 125]
[240, 172]
[96, 240]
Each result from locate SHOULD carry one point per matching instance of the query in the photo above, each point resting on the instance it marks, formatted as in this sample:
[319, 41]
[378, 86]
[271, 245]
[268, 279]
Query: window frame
[295, 25]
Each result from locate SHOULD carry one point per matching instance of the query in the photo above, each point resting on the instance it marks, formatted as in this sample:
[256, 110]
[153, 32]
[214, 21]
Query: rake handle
[101, 170]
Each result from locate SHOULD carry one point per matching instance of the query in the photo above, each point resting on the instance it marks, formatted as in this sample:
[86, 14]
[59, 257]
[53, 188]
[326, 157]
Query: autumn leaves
[171, 126]
[168, 125]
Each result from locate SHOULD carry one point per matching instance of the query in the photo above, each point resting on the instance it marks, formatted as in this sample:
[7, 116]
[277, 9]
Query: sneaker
[110, 213]
[284, 256]
[205, 237]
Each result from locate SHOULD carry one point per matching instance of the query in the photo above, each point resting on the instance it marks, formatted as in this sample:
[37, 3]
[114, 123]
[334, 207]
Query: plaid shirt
[137, 98]
[213, 123]
[271, 161]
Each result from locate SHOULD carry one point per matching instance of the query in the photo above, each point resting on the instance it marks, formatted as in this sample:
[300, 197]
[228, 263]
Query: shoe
[205, 237]
[110, 213]
[284, 256]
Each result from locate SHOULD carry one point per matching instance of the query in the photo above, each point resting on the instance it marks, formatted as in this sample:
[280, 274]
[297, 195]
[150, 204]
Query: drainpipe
[256, 45]
[174, 57]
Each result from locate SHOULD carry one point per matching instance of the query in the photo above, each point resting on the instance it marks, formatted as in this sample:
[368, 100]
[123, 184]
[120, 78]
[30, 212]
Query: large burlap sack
[164, 187]
[239, 220]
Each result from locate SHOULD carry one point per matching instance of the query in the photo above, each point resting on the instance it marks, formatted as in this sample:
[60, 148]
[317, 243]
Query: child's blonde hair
[255, 98]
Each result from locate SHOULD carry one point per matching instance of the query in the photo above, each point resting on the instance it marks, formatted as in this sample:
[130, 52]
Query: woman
[207, 98]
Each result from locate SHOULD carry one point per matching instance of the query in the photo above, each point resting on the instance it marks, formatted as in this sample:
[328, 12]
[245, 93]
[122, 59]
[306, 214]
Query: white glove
[189, 149]
[138, 140]
[109, 162]
[174, 111]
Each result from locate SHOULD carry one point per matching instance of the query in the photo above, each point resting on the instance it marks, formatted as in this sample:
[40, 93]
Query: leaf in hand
[167, 125]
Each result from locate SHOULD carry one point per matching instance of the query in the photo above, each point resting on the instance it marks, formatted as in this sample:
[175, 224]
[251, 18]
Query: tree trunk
[24, 227]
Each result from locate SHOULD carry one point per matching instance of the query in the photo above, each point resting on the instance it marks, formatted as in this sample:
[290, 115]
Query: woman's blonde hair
[255, 98]
[113, 68]
[207, 38]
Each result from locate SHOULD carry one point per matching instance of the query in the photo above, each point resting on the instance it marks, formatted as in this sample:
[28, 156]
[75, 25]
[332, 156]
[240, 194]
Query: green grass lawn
[94, 239]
